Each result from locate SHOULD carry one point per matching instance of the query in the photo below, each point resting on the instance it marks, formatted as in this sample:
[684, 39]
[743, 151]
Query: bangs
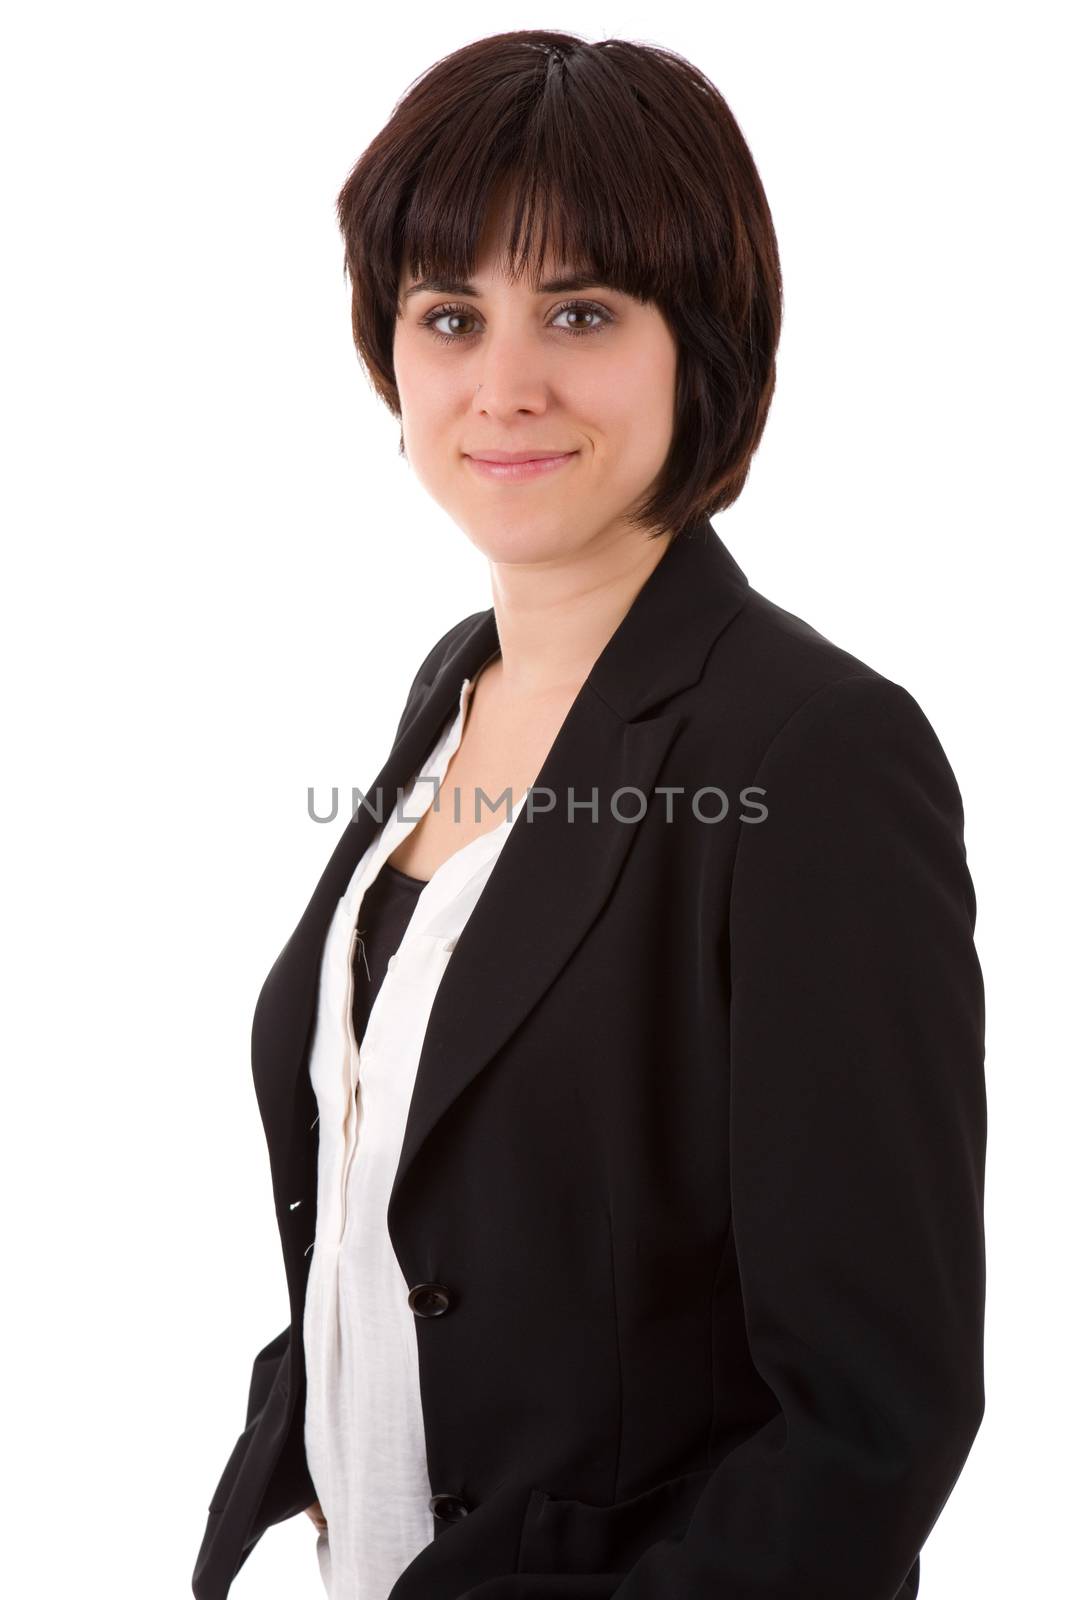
[606, 214]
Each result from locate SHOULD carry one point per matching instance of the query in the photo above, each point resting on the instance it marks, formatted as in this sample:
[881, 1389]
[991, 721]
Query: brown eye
[584, 308]
[453, 313]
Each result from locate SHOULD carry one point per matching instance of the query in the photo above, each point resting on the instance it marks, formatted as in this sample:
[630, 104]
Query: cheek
[427, 395]
[427, 387]
[631, 403]
[418, 375]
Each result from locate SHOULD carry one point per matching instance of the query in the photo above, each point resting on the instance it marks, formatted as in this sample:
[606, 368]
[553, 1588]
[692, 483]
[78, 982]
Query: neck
[554, 617]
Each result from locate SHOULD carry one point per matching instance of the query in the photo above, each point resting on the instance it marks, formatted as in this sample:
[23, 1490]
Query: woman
[623, 1079]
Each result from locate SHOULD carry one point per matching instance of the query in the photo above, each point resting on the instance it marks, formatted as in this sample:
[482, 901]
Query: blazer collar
[551, 878]
[659, 647]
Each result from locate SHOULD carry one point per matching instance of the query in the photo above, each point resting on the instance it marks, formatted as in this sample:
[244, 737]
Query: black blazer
[690, 1199]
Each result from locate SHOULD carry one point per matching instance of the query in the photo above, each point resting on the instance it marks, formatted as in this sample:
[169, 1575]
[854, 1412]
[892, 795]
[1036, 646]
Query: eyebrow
[550, 286]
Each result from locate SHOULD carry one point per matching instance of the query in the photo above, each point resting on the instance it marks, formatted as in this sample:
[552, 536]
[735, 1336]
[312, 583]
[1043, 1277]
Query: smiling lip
[516, 455]
[517, 467]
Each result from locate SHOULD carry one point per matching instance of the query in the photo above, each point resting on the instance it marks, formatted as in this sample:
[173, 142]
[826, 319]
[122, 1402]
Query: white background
[220, 577]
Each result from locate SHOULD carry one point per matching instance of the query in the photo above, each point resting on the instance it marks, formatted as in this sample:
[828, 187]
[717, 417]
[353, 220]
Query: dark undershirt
[384, 914]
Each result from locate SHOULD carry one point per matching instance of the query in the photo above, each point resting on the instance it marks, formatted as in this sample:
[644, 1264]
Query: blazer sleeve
[264, 1370]
[857, 1150]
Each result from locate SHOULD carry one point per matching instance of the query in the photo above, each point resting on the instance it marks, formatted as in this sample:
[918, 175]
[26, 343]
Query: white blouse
[363, 1427]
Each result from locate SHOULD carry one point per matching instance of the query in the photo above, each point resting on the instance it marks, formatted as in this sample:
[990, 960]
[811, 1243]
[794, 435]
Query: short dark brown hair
[626, 159]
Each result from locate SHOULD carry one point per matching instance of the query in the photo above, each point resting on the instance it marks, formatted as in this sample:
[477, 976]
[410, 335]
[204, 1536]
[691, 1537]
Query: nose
[504, 392]
[515, 375]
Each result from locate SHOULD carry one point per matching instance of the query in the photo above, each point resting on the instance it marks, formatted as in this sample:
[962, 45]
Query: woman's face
[496, 366]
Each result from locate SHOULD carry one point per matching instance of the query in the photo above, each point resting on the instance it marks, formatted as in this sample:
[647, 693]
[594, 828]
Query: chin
[524, 539]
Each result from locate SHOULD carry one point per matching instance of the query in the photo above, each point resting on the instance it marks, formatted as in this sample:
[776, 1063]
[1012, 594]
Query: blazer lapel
[553, 874]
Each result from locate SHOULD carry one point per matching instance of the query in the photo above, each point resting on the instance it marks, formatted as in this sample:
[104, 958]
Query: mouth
[519, 471]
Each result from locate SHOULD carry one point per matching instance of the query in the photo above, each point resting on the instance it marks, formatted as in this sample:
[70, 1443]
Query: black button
[448, 1507]
[429, 1299]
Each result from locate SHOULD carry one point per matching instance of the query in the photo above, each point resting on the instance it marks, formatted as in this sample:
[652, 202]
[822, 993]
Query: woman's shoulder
[783, 658]
[435, 658]
[775, 686]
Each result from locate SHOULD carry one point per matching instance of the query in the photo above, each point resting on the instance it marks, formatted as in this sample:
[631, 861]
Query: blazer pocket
[573, 1536]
